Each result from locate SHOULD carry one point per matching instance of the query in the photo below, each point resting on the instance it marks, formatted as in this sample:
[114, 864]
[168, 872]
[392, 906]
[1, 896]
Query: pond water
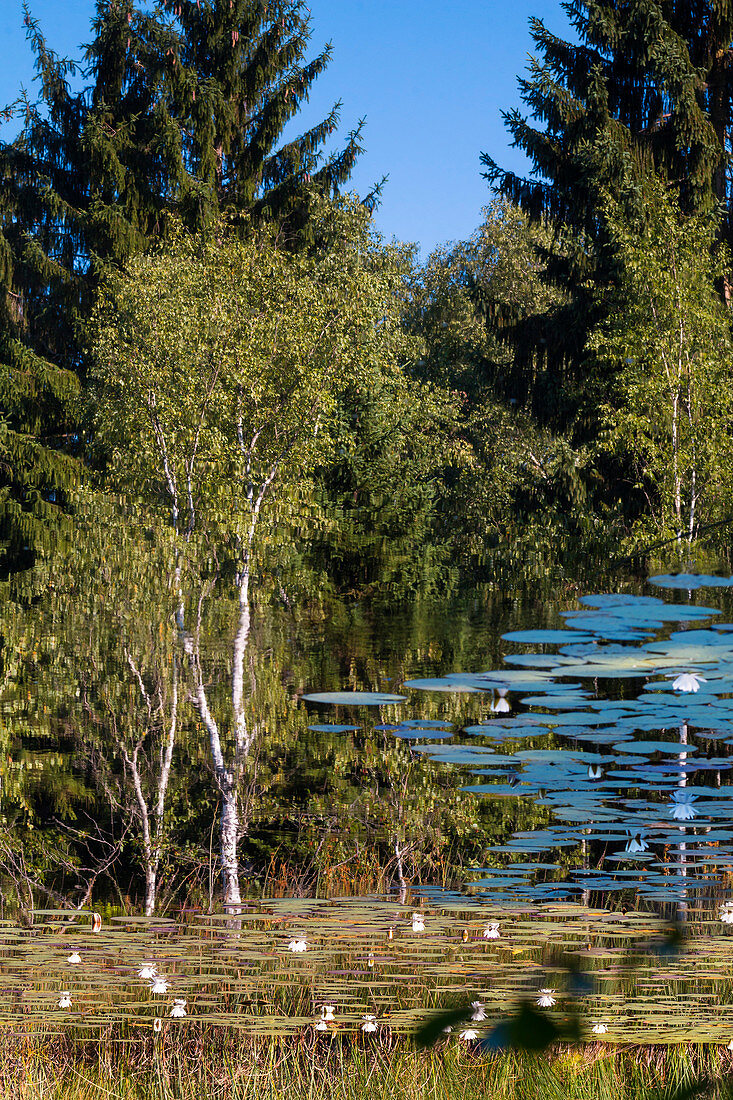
[525, 787]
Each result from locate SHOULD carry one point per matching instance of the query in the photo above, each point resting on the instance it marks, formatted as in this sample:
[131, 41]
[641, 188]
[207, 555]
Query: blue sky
[431, 78]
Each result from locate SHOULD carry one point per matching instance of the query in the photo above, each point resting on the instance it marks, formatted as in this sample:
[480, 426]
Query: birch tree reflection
[95, 675]
[219, 363]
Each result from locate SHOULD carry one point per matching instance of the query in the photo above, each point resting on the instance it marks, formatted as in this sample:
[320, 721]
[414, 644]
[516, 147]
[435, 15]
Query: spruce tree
[649, 83]
[183, 111]
[234, 70]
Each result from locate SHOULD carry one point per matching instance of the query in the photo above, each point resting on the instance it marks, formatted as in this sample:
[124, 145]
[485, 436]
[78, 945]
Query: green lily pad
[546, 637]
[354, 698]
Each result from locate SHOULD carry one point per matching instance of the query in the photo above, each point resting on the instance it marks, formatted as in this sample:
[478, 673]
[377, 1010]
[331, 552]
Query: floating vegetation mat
[619, 727]
[636, 704]
[370, 964]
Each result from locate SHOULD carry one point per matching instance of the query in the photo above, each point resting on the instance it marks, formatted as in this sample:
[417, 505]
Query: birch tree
[666, 336]
[219, 362]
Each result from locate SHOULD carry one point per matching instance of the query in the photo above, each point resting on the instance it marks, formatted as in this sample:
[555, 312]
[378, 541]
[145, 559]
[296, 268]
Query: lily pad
[674, 747]
[442, 684]
[354, 698]
[326, 728]
[426, 723]
[689, 581]
[417, 733]
[546, 637]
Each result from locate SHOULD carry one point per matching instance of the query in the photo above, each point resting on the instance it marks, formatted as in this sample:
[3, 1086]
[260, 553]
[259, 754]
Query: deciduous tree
[219, 362]
[182, 112]
[666, 338]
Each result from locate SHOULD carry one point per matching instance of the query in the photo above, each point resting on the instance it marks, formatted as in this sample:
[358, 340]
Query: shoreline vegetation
[223, 1064]
[244, 442]
[558, 382]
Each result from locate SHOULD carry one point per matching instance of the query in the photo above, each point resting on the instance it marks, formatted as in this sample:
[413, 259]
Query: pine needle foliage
[649, 83]
[181, 112]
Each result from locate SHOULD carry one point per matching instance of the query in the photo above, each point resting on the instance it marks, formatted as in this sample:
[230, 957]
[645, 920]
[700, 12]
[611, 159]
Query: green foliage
[470, 297]
[647, 83]
[520, 486]
[383, 491]
[223, 356]
[666, 344]
[181, 115]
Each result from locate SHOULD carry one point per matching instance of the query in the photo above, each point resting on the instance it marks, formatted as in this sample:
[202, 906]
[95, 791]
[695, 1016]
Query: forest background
[216, 375]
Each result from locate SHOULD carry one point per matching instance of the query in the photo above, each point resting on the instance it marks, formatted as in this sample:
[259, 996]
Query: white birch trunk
[693, 449]
[401, 873]
[153, 834]
[229, 834]
[151, 889]
[239, 649]
[149, 856]
[676, 464]
[227, 786]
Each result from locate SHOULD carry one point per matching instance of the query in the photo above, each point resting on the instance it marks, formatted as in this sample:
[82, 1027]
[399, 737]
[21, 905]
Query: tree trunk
[676, 466]
[398, 851]
[229, 834]
[226, 782]
[150, 889]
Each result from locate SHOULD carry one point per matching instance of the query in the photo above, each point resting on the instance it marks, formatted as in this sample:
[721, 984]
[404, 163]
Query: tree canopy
[181, 115]
[219, 360]
[648, 83]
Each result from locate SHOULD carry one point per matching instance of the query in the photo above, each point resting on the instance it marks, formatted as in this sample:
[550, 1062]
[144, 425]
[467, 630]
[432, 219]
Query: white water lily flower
[595, 771]
[297, 945]
[491, 931]
[418, 922]
[321, 1025]
[370, 959]
[468, 1035]
[147, 972]
[157, 1024]
[65, 1000]
[599, 1029]
[726, 912]
[478, 1013]
[682, 808]
[636, 843]
[546, 998]
[370, 1023]
[730, 1045]
[74, 957]
[327, 1012]
[502, 704]
[179, 1008]
[447, 1029]
[160, 985]
[688, 681]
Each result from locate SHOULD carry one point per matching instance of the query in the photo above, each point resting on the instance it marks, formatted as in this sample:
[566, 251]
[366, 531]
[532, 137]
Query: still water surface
[590, 733]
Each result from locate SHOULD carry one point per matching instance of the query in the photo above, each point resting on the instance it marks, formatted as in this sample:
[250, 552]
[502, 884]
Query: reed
[227, 1065]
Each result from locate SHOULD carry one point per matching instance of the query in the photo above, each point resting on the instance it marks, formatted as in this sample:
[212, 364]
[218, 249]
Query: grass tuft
[224, 1064]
